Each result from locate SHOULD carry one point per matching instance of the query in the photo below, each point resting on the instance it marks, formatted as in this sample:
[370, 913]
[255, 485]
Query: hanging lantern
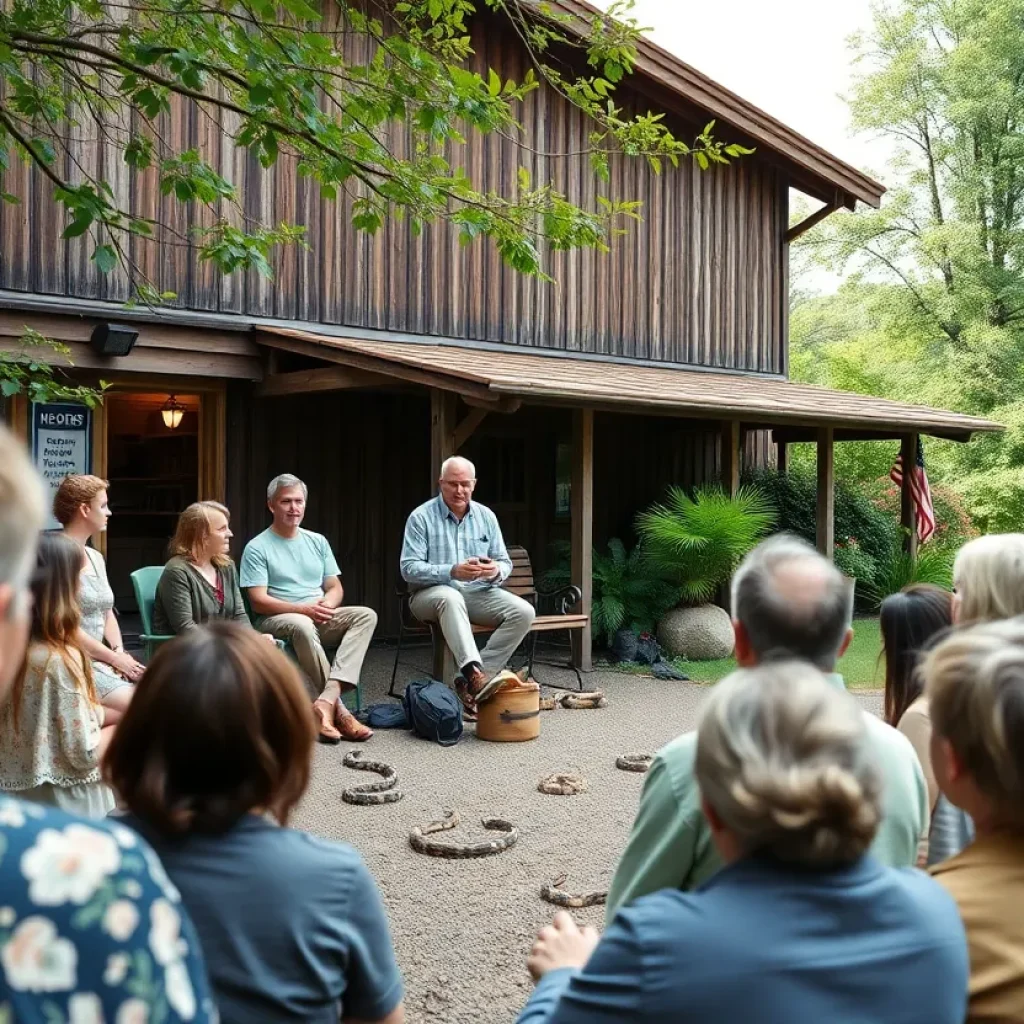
[173, 412]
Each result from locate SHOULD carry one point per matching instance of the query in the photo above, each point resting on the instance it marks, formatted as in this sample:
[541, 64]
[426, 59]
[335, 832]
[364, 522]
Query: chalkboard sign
[61, 443]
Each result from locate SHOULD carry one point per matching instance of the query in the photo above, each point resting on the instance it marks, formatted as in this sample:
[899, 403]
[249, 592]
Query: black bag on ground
[624, 645]
[647, 649]
[433, 711]
[384, 716]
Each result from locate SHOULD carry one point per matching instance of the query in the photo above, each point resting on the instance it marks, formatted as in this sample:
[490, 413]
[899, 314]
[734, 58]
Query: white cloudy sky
[788, 57]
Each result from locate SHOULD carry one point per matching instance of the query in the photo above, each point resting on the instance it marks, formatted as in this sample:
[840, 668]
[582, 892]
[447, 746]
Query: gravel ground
[462, 929]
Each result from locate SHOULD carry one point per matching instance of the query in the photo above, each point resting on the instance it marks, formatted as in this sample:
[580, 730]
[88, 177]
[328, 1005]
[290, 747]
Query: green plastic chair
[349, 698]
[144, 583]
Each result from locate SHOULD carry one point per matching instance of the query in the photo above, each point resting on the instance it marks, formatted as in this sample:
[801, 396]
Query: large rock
[703, 633]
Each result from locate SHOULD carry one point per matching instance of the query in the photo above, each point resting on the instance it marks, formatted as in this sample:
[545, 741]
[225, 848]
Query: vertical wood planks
[825, 511]
[582, 501]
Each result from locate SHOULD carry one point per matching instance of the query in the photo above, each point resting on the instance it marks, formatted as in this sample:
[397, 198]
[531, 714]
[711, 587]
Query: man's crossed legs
[455, 611]
[352, 629]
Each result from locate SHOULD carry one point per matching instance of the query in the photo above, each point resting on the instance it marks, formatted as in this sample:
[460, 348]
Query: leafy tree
[375, 106]
[31, 374]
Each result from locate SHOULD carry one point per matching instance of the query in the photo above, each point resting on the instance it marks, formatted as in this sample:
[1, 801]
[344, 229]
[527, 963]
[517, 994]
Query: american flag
[924, 512]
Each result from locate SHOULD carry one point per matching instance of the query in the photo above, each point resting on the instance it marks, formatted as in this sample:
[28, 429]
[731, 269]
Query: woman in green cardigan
[200, 582]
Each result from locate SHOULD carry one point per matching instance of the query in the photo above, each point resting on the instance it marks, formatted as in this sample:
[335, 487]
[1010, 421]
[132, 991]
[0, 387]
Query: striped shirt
[436, 541]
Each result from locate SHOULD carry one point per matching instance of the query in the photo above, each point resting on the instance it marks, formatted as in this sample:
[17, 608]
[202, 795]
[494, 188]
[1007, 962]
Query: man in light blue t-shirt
[294, 586]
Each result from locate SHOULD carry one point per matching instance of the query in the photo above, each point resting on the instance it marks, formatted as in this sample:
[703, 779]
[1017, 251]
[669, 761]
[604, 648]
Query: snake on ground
[563, 784]
[634, 762]
[554, 893]
[484, 848]
[382, 792]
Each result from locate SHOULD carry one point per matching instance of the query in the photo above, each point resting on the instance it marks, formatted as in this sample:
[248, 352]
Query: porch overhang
[489, 378]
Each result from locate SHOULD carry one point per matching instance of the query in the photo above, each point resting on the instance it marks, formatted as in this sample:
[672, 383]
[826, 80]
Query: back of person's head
[791, 602]
[785, 762]
[988, 577]
[193, 529]
[22, 513]
[974, 680]
[74, 491]
[218, 727]
[911, 621]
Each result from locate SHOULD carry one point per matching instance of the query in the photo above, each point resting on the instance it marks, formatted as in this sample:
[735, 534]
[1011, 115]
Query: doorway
[153, 469]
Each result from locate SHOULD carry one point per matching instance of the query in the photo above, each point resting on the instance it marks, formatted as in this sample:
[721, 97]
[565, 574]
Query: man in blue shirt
[294, 586]
[91, 929]
[455, 561]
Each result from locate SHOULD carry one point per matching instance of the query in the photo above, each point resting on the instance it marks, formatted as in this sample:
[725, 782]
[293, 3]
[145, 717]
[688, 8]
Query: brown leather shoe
[476, 679]
[324, 714]
[349, 727]
[465, 699]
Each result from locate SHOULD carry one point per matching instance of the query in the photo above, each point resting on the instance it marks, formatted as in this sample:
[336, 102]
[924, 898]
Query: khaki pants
[350, 628]
[455, 610]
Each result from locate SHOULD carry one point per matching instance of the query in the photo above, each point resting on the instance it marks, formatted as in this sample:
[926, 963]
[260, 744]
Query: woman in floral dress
[81, 507]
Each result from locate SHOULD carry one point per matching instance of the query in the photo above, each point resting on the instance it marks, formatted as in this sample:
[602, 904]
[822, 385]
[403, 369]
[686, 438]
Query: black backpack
[433, 711]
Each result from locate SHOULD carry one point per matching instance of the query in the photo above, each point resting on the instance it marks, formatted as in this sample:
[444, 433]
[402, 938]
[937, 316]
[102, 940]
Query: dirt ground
[462, 929]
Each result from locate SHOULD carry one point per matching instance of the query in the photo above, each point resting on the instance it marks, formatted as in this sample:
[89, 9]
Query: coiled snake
[382, 792]
[634, 762]
[432, 848]
[563, 784]
[554, 893]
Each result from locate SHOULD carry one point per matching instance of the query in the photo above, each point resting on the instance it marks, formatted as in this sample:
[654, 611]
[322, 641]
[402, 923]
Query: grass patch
[860, 664]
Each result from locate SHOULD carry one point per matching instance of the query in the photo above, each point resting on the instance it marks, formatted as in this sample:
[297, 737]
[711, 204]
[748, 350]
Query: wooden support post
[583, 528]
[442, 430]
[469, 423]
[730, 456]
[782, 457]
[908, 519]
[825, 531]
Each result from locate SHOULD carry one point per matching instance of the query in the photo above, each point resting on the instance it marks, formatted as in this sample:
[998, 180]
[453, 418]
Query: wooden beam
[908, 519]
[729, 456]
[500, 403]
[442, 429]
[327, 378]
[213, 446]
[808, 222]
[782, 457]
[469, 423]
[582, 506]
[825, 534]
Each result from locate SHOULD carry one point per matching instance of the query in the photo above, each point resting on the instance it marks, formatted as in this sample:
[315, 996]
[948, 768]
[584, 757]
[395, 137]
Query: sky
[788, 57]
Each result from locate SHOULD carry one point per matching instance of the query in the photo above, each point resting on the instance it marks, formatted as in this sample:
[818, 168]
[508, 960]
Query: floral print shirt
[91, 929]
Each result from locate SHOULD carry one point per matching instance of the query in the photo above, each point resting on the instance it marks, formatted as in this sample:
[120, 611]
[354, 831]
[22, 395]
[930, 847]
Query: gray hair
[988, 574]
[279, 483]
[792, 602]
[457, 460]
[786, 762]
[22, 511]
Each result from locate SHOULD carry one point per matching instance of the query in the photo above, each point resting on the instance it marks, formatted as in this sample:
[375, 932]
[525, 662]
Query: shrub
[629, 591]
[953, 525]
[934, 564]
[856, 563]
[697, 542]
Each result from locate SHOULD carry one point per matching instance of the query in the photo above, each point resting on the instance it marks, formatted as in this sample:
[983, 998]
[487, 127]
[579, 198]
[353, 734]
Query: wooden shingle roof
[568, 379]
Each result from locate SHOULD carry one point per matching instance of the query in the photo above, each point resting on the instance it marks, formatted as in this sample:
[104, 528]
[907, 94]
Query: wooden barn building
[366, 360]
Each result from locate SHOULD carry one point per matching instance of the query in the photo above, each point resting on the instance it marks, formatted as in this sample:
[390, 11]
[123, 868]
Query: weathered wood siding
[366, 458]
[701, 280]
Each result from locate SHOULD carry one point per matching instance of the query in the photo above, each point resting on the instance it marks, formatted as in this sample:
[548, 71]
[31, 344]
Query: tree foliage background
[933, 308]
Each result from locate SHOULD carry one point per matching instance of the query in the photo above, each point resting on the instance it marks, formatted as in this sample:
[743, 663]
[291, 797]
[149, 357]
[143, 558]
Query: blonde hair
[74, 491]
[988, 575]
[975, 685]
[21, 513]
[194, 528]
[785, 761]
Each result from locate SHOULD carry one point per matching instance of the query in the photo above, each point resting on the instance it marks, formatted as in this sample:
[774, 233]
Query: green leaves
[105, 258]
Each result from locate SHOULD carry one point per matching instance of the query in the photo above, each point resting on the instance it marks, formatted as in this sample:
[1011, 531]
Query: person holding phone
[455, 562]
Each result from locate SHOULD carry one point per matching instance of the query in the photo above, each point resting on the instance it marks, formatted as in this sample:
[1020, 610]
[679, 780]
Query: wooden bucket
[512, 714]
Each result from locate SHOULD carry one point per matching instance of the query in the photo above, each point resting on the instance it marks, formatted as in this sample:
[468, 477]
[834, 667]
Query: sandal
[349, 727]
[466, 699]
[322, 712]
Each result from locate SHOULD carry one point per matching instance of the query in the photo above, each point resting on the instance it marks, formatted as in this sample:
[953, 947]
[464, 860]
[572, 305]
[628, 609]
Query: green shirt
[185, 599]
[670, 846]
[292, 570]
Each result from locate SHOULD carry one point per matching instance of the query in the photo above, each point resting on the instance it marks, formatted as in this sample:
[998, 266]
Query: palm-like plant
[697, 542]
[933, 564]
[629, 592]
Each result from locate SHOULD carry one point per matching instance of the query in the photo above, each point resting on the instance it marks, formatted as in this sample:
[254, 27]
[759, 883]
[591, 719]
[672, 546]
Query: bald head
[790, 602]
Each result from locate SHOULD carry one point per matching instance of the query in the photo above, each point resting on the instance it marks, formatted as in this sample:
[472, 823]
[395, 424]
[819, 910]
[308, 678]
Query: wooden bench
[554, 614]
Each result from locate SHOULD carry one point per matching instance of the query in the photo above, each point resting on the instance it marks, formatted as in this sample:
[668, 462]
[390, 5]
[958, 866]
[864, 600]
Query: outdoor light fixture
[113, 339]
[173, 412]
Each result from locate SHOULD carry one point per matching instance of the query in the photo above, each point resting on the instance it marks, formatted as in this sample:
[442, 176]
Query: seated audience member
[803, 924]
[200, 581]
[988, 579]
[294, 586]
[787, 602]
[93, 931]
[910, 622]
[80, 505]
[217, 742]
[454, 560]
[975, 686]
[54, 730]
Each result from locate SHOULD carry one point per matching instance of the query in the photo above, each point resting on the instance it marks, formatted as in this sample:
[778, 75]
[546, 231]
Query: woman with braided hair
[803, 924]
